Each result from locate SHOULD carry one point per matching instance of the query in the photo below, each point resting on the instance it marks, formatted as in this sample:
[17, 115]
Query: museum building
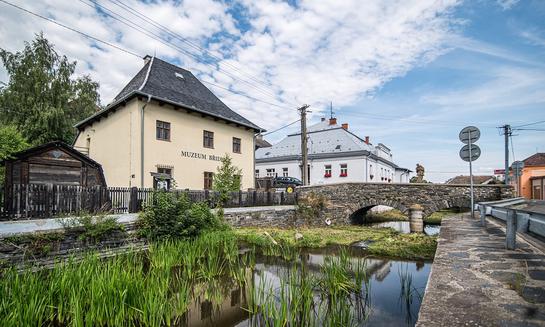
[166, 127]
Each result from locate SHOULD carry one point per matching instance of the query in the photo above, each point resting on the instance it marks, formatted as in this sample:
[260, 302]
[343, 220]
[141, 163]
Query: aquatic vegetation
[383, 241]
[144, 289]
[335, 296]
[177, 281]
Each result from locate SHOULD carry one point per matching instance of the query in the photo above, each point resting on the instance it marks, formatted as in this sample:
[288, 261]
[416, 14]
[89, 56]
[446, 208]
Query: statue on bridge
[419, 173]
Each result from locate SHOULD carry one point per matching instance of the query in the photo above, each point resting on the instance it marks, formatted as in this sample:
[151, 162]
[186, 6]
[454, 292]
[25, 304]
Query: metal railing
[517, 220]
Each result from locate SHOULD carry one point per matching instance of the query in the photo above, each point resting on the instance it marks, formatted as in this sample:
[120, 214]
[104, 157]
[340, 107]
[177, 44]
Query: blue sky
[408, 73]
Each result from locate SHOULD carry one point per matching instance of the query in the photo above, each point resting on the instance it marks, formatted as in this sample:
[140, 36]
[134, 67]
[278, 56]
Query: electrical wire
[281, 128]
[72, 29]
[194, 45]
[162, 40]
[122, 49]
[534, 123]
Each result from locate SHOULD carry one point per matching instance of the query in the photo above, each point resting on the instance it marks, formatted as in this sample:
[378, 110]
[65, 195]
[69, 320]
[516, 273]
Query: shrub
[171, 215]
[94, 228]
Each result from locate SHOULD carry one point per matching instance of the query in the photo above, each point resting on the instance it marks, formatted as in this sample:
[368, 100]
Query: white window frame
[285, 172]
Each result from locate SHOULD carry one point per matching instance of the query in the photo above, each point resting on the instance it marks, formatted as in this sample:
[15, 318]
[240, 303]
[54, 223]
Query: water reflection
[404, 227]
[389, 295]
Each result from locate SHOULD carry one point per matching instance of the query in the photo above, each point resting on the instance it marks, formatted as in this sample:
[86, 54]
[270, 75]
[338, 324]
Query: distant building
[478, 179]
[335, 155]
[534, 170]
[499, 174]
[166, 126]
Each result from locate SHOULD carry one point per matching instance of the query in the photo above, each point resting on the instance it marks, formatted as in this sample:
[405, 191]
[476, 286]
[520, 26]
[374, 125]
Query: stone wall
[342, 200]
[281, 217]
[45, 247]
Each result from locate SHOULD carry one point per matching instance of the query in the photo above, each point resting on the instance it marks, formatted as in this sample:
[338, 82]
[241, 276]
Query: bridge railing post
[482, 211]
[511, 229]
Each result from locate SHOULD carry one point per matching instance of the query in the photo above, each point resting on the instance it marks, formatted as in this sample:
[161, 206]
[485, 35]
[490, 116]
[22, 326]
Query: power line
[72, 29]
[529, 129]
[409, 120]
[194, 45]
[120, 18]
[281, 128]
[535, 123]
[245, 95]
[122, 49]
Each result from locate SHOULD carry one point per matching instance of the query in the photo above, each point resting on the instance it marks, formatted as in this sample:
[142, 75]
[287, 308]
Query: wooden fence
[26, 201]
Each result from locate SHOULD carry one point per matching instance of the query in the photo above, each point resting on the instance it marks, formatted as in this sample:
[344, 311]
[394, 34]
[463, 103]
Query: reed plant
[133, 289]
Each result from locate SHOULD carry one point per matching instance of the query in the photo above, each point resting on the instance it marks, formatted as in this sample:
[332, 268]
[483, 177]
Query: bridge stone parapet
[342, 200]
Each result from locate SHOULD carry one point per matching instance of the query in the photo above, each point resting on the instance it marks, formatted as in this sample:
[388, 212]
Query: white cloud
[312, 53]
[507, 4]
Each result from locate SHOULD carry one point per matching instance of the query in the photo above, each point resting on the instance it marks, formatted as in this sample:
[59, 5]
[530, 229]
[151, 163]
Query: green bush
[171, 215]
[94, 228]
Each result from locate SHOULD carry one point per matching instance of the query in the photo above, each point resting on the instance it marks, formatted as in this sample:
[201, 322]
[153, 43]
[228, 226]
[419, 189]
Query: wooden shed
[53, 163]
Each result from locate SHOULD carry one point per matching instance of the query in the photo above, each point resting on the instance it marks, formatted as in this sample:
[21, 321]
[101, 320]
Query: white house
[335, 155]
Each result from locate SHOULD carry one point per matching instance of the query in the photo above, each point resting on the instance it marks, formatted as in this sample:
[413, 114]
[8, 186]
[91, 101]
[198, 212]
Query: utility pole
[506, 133]
[304, 150]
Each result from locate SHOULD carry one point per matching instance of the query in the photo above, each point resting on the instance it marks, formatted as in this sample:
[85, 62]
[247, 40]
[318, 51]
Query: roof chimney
[332, 121]
[366, 140]
[345, 126]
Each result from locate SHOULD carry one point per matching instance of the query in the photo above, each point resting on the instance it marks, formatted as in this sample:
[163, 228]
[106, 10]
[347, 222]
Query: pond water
[404, 227]
[390, 294]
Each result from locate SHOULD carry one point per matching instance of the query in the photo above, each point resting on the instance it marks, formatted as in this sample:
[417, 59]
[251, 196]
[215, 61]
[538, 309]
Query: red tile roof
[537, 159]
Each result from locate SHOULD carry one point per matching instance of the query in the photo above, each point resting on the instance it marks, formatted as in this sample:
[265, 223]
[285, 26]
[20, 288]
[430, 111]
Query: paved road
[475, 281]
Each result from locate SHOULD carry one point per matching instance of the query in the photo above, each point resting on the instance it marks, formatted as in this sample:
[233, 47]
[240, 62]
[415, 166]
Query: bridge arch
[358, 212]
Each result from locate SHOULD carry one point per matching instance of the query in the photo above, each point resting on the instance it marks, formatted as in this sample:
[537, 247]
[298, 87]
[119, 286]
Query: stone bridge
[347, 203]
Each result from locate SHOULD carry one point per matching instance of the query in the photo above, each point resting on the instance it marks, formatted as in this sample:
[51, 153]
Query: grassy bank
[388, 215]
[383, 241]
[436, 217]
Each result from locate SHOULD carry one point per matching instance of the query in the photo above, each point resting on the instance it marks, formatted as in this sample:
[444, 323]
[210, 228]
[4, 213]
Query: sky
[409, 74]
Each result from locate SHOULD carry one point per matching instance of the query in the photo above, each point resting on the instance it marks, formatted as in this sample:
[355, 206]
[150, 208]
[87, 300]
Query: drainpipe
[366, 168]
[142, 142]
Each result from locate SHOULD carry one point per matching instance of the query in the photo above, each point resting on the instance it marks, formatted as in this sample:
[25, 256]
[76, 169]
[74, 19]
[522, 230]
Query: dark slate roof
[174, 85]
[537, 159]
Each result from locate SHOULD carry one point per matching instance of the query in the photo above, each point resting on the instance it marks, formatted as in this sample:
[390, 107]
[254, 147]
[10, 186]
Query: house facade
[531, 175]
[165, 128]
[335, 155]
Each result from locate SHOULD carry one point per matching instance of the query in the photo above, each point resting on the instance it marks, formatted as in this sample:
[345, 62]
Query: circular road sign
[475, 152]
[469, 134]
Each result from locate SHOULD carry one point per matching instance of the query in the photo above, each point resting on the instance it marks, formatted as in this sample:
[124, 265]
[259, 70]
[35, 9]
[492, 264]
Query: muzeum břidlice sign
[197, 155]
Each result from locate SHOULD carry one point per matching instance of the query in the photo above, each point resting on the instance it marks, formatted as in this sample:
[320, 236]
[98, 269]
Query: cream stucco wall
[115, 143]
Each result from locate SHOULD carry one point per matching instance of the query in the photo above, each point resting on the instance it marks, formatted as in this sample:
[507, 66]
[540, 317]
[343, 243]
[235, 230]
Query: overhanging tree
[42, 97]
[11, 141]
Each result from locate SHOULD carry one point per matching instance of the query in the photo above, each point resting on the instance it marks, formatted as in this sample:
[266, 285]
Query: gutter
[142, 141]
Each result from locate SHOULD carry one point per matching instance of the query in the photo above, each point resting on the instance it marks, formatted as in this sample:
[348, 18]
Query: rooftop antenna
[331, 109]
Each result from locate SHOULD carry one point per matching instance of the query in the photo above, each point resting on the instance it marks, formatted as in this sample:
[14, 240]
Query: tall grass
[134, 289]
[337, 295]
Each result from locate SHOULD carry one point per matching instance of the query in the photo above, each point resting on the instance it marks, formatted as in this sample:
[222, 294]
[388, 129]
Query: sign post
[470, 152]
[517, 170]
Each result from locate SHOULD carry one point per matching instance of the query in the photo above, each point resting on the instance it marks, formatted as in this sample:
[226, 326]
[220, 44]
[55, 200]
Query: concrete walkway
[475, 281]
